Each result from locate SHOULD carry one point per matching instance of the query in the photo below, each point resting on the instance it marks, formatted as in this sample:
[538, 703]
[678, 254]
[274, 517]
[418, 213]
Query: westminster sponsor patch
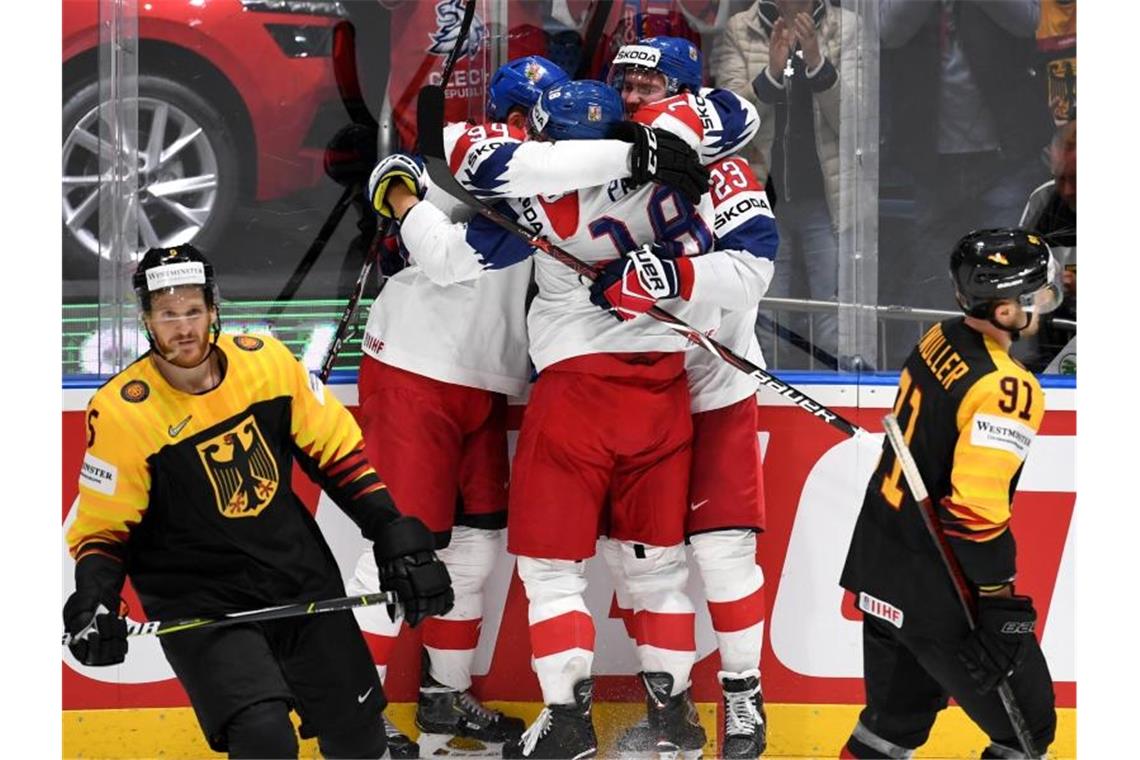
[993, 431]
[98, 475]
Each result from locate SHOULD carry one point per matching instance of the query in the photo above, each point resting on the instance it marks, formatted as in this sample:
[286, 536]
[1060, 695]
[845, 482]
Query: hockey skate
[671, 728]
[399, 744]
[455, 713]
[565, 732]
[745, 724]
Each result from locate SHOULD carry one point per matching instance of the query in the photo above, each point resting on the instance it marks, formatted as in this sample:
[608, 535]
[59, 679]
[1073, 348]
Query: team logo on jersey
[241, 469]
[448, 19]
[593, 112]
[135, 391]
[248, 342]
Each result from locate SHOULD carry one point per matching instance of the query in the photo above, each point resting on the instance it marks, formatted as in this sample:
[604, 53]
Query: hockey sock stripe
[571, 630]
[665, 630]
[381, 647]
[739, 613]
[451, 634]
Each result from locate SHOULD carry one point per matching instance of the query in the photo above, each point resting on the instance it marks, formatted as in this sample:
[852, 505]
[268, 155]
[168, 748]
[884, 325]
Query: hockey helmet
[581, 110]
[992, 266]
[519, 83]
[678, 59]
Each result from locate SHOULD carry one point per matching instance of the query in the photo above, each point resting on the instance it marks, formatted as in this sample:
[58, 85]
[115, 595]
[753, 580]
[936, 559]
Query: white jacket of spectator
[741, 54]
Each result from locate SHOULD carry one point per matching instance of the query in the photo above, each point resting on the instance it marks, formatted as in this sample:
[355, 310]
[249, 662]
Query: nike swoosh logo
[364, 696]
[174, 430]
[698, 505]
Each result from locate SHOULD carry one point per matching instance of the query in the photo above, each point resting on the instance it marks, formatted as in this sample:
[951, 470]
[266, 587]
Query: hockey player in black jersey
[968, 412]
[185, 487]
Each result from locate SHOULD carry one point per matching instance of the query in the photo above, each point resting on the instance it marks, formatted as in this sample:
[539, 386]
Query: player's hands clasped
[407, 565]
[661, 156]
[1006, 625]
[398, 167]
[634, 283]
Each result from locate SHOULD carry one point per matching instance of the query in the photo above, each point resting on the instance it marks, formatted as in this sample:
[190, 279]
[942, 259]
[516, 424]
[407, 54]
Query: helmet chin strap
[1014, 332]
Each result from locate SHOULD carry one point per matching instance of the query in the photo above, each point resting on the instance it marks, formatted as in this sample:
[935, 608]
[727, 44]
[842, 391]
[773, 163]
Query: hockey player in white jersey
[726, 495]
[606, 435]
[440, 363]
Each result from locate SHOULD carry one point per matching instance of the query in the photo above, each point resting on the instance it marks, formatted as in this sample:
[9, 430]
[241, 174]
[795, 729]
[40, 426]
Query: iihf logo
[448, 18]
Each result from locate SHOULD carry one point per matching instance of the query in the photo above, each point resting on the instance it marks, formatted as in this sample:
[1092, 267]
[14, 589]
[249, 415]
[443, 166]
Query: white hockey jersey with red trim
[744, 224]
[441, 318]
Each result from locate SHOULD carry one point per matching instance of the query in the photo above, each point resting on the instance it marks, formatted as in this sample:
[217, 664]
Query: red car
[236, 100]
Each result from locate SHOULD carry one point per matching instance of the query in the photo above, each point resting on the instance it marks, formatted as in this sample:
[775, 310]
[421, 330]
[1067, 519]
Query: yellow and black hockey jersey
[192, 491]
[969, 413]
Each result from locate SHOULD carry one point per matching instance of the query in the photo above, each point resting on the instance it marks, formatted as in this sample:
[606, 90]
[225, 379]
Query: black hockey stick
[370, 257]
[429, 117]
[166, 627]
[348, 87]
[950, 562]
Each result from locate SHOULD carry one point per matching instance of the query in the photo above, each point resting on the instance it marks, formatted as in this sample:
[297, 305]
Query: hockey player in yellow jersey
[968, 412]
[185, 487]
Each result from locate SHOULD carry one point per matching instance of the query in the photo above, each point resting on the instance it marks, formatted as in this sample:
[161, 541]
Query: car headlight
[307, 7]
[302, 41]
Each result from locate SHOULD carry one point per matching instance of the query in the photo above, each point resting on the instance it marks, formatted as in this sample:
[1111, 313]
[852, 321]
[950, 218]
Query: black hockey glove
[405, 558]
[661, 156]
[91, 613]
[998, 645]
[350, 154]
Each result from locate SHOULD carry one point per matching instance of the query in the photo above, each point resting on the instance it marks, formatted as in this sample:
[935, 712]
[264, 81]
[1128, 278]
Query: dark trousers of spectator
[807, 266]
[957, 193]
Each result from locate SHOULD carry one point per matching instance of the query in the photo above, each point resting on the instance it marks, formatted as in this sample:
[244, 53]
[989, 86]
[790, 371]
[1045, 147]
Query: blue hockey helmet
[581, 110]
[519, 83]
[674, 57]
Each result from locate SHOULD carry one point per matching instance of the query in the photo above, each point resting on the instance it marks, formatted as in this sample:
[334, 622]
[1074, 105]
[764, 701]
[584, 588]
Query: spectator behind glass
[785, 57]
[1052, 211]
[964, 120]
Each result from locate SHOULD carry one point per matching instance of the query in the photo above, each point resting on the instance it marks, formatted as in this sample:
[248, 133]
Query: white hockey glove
[399, 167]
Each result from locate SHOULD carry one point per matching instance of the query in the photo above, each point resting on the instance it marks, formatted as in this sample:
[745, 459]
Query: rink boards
[812, 651]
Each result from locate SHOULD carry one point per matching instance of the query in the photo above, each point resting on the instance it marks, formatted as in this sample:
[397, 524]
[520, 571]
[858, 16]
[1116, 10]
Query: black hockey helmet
[992, 266]
[163, 269]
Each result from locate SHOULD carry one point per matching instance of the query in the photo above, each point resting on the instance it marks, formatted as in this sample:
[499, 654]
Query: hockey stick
[950, 562]
[343, 326]
[348, 87]
[429, 117]
[166, 627]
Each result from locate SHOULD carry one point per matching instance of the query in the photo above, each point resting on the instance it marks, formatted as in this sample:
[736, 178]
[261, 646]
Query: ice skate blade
[446, 745]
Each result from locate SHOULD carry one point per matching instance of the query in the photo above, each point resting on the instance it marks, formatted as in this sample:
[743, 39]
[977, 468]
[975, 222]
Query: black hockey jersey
[968, 413]
[192, 491]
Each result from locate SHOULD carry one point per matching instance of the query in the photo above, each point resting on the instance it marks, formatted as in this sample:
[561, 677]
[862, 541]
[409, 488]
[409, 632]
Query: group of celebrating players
[632, 444]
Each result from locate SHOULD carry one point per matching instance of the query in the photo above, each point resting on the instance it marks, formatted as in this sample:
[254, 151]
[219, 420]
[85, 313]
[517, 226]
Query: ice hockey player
[441, 361]
[185, 488]
[556, 218]
[969, 413]
[660, 80]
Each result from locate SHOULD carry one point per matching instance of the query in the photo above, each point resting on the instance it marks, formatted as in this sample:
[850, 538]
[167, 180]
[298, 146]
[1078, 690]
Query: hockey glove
[998, 645]
[90, 615]
[634, 284]
[350, 154]
[660, 156]
[405, 558]
[398, 167]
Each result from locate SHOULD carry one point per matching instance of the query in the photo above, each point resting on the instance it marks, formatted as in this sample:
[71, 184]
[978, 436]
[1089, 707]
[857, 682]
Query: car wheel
[187, 169]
